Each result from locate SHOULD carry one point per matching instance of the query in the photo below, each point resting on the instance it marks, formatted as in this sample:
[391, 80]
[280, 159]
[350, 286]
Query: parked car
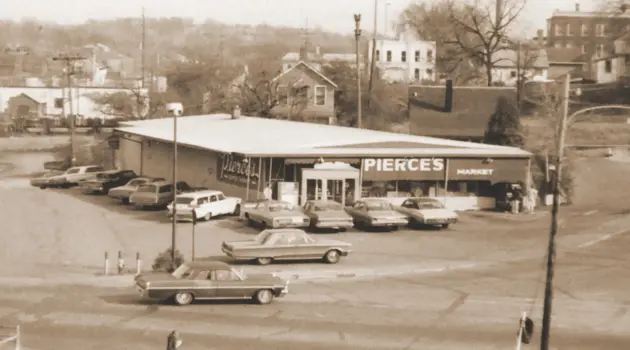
[58, 165]
[106, 180]
[427, 211]
[157, 194]
[206, 205]
[122, 193]
[286, 244]
[73, 176]
[43, 180]
[327, 214]
[210, 280]
[376, 212]
[276, 214]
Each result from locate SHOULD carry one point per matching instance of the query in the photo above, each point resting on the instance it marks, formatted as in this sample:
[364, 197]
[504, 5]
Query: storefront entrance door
[339, 185]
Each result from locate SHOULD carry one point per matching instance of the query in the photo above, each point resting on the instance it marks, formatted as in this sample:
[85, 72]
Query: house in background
[614, 66]
[24, 106]
[454, 112]
[533, 65]
[563, 61]
[317, 60]
[304, 93]
[405, 59]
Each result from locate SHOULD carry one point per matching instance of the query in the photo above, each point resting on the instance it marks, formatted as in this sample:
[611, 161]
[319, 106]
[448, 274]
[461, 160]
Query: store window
[392, 189]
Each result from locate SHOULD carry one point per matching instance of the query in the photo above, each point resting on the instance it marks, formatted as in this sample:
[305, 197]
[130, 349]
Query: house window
[627, 61]
[403, 56]
[320, 95]
[608, 66]
[513, 74]
[600, 50]
[430, 56]
[557, 45]
[558, 30]
[377, 55]
[583, 48]
[416, 74]
[569, 30]
[600, 30]
[429, 73]
[585, 30]
[417, 56]
[389, 56]
[283, 95]
[569, 45]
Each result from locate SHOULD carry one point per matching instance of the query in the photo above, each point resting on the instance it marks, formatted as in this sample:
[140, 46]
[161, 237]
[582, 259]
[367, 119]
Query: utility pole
[373, 54]
[143, 58]
[519, 82]
[69, 61]
[176, 109]
[551, 249]
[357, 36]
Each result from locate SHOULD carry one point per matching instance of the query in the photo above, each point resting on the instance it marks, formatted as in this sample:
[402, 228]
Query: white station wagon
[206, 204]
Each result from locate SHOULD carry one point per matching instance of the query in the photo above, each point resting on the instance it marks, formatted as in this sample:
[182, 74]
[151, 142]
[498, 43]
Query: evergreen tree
[504, 127]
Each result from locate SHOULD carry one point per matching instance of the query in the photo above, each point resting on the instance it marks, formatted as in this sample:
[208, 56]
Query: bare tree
[130, 103]
[273, 97]
[481, 29]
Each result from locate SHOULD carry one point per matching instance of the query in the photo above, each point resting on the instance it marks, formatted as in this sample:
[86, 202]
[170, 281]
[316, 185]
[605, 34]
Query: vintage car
[106, 180]
[156, 194]
[427, 211]
[286, 244]
[43, 180]
[327, 214]
[276, 214]
[207, 280]
[376, 212]
[205, 204]
[75, 175]
[122, 193]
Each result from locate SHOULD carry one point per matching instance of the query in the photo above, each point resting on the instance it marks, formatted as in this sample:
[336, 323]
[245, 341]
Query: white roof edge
[507, 151]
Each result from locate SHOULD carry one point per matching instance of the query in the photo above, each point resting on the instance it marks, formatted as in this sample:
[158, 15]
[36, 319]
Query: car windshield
[262, 237]
[379, 206]
[147, 188]
[182, 271]
[329, 206]
[430, 205]
[136, 182]
[183, 200]
[276, 207]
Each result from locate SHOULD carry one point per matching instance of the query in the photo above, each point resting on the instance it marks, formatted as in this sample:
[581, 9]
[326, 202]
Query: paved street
[420, 289]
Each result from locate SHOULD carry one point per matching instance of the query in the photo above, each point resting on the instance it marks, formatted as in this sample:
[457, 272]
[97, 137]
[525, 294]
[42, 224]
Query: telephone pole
[69, 70]
[373, 54]
[357, 36]
[143, 58]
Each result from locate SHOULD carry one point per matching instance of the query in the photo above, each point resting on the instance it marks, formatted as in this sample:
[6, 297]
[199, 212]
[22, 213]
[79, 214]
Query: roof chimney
[236, 113]
[577, 6]
[540, 36]
[303, 54]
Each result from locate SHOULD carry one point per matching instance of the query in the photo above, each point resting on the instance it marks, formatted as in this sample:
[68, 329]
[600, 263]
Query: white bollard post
[138, 264]
[106, 264]
[121, 263]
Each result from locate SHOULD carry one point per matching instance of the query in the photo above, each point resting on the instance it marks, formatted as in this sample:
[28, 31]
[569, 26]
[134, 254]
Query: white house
[611, 67]
[405, 59]
[534, 64]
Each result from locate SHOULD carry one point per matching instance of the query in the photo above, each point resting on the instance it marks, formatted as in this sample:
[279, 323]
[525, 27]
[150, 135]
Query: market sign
[235, 170]
[486, 169]
[392, 169]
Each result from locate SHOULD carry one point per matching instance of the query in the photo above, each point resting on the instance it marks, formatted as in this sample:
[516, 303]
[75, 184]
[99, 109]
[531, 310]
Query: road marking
[603, 238]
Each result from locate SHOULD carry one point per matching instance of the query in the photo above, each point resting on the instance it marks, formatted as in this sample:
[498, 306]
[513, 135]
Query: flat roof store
[241, 156]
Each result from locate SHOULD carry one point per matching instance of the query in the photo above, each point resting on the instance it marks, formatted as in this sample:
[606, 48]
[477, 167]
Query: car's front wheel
[264, 296]
[444, 226]
[332, 256]
[237, 210]
[207, 217]
[183, 298]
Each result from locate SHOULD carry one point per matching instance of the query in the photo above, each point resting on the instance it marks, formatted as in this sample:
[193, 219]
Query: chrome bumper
[334, 224]
[388, 223]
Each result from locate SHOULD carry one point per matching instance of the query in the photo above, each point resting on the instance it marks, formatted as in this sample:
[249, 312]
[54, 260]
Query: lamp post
[176, 110]
[357, 36]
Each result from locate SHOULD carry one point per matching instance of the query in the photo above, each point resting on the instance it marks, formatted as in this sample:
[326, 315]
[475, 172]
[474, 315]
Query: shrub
[163, 261]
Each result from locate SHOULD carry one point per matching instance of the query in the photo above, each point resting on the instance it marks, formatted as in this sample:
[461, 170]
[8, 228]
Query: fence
[10, 337]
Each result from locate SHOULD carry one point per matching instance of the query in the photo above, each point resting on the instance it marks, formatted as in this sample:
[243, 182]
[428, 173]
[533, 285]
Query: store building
[243, 155]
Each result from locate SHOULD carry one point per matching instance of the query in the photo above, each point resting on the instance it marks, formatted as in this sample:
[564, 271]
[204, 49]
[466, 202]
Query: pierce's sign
[237, 170]
[385, 169]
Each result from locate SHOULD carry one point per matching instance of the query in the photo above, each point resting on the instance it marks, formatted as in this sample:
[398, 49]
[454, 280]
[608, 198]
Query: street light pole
[176, 109]
[357, 36]
[551, 249]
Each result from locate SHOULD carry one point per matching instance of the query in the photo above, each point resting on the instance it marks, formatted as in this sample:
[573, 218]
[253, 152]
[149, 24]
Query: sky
[333, 15]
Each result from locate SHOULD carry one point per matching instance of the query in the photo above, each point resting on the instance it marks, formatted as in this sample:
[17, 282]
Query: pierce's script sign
[387, 169]
[236, 170]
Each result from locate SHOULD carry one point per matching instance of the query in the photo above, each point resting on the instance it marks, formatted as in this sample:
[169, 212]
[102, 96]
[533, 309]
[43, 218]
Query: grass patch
[581, 133]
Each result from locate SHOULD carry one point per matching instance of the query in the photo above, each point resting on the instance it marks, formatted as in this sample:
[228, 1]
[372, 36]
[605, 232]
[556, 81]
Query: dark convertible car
[207, 280]
[107, 180]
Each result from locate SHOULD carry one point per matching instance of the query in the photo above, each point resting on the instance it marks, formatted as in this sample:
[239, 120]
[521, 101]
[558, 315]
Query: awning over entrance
[353, 161]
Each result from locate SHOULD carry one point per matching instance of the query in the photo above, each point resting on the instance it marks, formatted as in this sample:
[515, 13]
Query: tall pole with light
[357, 37]
[176, 110]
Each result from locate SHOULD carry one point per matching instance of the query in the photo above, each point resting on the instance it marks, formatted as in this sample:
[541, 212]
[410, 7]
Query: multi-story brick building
[593, 33]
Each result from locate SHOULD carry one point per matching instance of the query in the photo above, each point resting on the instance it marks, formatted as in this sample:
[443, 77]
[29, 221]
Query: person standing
[268, 192]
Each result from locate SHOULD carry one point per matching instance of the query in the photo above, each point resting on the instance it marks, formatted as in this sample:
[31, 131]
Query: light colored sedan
[276, 214]
[427, 211]
[42, 181]
[327, 214]
[122, 193]
[376, 212]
